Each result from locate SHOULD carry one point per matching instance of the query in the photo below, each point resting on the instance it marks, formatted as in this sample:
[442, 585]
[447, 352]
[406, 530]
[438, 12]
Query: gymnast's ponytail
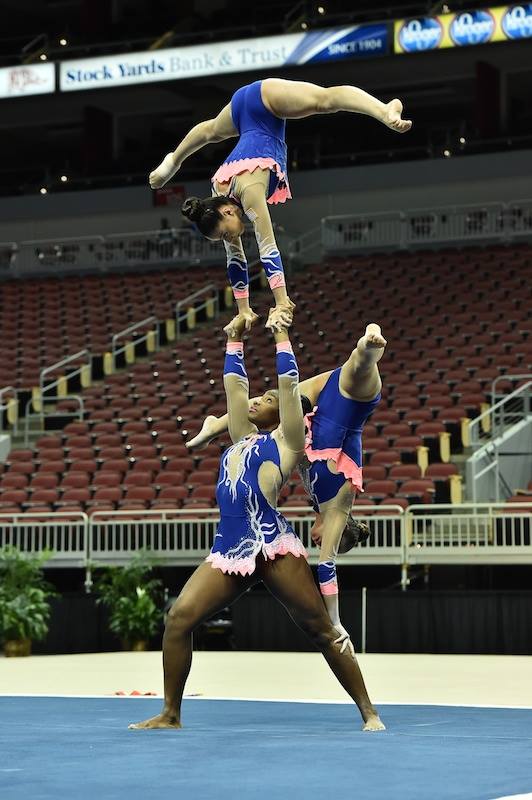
[205, 214]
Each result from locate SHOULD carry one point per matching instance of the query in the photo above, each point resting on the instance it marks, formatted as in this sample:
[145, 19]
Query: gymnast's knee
[319, 630]
[180, 620]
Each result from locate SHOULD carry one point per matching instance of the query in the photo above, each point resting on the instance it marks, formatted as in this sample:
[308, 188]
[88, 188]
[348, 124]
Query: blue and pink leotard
[261, 143]
[334, 431]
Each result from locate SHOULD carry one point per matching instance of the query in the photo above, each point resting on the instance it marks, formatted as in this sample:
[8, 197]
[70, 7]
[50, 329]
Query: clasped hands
[279, 318]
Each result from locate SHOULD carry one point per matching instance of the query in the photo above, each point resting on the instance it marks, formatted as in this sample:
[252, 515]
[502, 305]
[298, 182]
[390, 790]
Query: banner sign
[29, 79]
[464, 28]
[330, 44]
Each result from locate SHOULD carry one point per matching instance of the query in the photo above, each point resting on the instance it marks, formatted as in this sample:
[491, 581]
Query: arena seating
[46, 320]
[454, 320]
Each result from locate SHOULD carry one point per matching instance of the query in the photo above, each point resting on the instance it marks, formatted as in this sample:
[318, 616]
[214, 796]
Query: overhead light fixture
[304, 26]
[447, 153]
[462, 140]
[63, 42]
[321, 10]
[64, 178]
[43, 190]
[43, 57]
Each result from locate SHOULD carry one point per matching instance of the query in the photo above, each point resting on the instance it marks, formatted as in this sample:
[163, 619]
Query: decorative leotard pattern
[249, 525]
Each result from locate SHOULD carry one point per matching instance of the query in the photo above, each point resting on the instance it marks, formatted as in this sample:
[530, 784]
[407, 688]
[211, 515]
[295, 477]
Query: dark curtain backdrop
[413, 622]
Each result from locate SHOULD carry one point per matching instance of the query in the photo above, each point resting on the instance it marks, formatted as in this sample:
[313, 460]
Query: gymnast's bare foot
[205, 436]
[373, 338]
[373, 723]
[162, 174]
[160, 721]
[392, 117]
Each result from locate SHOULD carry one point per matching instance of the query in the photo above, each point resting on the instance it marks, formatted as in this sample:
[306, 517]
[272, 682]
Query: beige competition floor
[460, 680]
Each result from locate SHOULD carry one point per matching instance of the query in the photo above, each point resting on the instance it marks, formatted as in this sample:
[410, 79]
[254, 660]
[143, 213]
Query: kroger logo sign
[517, 22]
[472, 27]
[420, 34]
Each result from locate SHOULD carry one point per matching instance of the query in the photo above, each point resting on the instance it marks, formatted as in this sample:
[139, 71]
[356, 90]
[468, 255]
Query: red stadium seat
[46, 480]
[374, 472]
[143, 494]
[402, 472]
[21, 455]
[109, 494]
[104, 478]
[376, 490]
[83, 465]
[386, 458]
[13, 497]
[70, 496]
[14, 480]
[137, 478]
[76, 480]
[174, 493]
[21, 468]
[417, 491]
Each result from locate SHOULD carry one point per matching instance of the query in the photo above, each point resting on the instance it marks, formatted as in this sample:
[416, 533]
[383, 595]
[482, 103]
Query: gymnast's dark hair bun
[193, 208]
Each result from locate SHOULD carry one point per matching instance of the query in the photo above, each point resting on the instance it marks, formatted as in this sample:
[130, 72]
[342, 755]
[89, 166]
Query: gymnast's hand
[280, 317]
[344, 639]
[242, 322]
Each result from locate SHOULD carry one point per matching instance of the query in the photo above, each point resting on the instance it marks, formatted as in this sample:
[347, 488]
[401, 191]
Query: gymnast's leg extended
[298, 99]
[290, 580]
[207, 590]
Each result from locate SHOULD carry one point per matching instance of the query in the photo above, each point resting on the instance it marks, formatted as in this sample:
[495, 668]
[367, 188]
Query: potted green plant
[132, 599]
[24, 600]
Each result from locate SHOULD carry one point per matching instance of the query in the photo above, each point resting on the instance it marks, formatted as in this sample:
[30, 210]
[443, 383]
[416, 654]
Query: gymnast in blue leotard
[255, 173]
[254, 542]
[253, 470]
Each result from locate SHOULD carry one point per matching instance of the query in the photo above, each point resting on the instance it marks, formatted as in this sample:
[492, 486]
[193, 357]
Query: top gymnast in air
[255, 172]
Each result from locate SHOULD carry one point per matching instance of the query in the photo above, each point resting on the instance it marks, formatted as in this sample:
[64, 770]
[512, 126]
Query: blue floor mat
[235, 750]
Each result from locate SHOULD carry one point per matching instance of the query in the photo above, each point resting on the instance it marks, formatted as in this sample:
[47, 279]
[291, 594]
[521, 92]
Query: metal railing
[513, 408]
[475, 224]
[61, 255]
[480, 533]
[483, 533]
[44, 414]
[65, 534]
[210, 301]
[307, 247]
[153, 324]
[351, 232]
[45, 388]
[65, 255]
[495, 395]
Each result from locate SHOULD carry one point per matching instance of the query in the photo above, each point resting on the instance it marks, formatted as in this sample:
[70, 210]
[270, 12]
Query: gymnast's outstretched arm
[292, 425]
[237, 386]
[206, 132]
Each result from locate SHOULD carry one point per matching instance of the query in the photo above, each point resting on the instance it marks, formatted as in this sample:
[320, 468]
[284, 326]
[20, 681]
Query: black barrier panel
[469, 622]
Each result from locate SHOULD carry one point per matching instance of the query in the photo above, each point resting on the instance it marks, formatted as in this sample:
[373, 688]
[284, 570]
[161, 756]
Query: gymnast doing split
[255, 172]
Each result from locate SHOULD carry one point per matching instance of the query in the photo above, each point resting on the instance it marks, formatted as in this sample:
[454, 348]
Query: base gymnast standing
[255, 172]
[254, 542]
[339, 402]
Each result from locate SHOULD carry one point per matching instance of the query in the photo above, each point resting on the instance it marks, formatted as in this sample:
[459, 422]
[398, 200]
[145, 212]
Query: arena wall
[415, 184]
